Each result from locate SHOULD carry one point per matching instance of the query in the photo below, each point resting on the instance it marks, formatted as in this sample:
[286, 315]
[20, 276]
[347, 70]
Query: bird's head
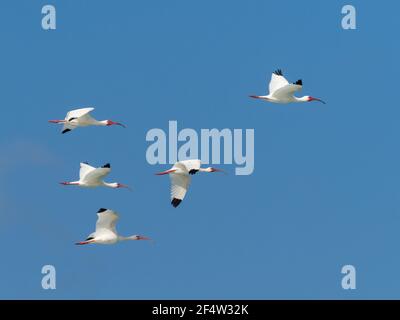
[111, 123]
[117, 185]
[309, 99]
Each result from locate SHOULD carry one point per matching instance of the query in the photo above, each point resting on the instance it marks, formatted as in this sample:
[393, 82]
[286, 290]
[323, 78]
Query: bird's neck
[110, 185]
[302, 99]
[74, 183]
[205, 169]
[103, 123]
[122, 238]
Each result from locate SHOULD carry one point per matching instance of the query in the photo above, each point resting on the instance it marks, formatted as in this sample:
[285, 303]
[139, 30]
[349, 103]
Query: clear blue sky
[325, 189]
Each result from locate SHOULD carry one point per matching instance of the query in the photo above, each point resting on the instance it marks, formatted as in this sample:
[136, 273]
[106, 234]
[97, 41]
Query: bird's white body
[104, 236]
[281, 91]
[180, 175]
[82, 118]
[91, 177]
[106, 232]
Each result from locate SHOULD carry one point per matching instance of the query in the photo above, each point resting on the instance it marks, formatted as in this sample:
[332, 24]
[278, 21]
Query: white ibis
[91, 177]
[281, 91]
[106, 232]
[82, 118]
[180, 178]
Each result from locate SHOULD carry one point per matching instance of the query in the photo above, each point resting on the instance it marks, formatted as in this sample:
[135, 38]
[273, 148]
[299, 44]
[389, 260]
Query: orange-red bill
[143, 238]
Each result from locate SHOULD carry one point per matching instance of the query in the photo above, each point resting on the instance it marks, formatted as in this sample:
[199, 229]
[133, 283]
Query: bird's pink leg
[165, 172]
[57, 121]
[81, 243]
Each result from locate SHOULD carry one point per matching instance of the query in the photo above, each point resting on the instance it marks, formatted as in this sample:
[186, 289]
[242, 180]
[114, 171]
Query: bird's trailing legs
[114, 185]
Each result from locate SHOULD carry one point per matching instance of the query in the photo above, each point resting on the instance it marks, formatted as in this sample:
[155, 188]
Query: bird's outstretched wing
[288, 90]
[78, 113]
[85, 169]
[68, 127]
[96, 175]
[107, 219]
[277, 81]
[86, 118]
[179, 186]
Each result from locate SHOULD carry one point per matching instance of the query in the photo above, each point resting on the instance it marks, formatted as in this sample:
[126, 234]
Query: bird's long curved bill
[144, 238]
[121, 185]
[255, 97]
[57, 121]
[219, 170]
[116, 123]
[165, 172]
[319, 100]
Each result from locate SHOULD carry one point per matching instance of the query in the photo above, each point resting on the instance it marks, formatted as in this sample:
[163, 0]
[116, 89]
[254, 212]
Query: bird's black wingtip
[65, 131]
[278, 72]
[101, 210]
[107, 165]
[193, 171]
[299, 82]
[175, 202]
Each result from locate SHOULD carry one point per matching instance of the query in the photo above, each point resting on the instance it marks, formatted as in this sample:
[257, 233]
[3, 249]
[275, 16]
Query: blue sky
[325, 189]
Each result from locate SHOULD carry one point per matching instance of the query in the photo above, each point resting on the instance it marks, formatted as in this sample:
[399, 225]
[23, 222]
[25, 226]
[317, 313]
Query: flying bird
[106, 232]
[91, 177]
[180, 175]
[281, 91]
[82, 118]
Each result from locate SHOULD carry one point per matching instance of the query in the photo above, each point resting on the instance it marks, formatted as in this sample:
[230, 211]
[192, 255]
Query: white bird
[281, 91]
[91, 177]
[106, 232]
[82, 118]
[180, 178]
